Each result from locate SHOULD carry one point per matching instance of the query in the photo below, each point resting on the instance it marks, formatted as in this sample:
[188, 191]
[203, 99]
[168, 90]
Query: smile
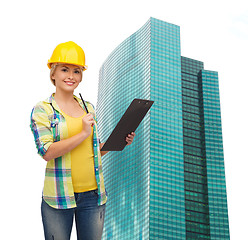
[69, 83]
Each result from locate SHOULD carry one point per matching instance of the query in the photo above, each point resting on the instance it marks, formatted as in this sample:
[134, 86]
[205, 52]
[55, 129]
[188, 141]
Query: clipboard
[127, 124]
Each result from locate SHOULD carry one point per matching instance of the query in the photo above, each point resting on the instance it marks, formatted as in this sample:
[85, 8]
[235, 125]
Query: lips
[69, 83]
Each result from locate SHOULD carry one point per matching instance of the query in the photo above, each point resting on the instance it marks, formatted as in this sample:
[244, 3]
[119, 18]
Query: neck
[63, 97]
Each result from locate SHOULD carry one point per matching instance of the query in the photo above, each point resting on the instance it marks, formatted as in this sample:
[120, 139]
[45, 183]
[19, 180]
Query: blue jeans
[89, 218]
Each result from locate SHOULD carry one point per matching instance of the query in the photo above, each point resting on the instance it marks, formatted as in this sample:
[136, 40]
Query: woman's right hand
[88, 122]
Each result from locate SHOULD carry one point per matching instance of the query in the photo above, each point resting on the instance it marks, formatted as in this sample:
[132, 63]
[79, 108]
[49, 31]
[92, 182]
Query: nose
[71, 74]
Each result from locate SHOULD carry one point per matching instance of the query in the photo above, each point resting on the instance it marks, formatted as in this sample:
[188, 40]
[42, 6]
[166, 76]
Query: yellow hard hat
[68, 52]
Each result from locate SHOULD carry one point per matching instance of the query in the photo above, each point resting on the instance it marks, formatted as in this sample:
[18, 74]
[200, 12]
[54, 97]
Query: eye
[64, 69]
[77, 71]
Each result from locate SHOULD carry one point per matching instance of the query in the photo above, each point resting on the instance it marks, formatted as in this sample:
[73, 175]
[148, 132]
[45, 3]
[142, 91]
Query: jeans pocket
[90, 194]
[93, 193]
[96, 191]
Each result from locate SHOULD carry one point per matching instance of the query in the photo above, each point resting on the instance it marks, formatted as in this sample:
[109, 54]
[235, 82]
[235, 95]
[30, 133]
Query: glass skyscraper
[170, 183]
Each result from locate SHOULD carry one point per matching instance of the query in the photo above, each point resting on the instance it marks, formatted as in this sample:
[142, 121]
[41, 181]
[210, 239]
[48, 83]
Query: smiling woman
[64, 135]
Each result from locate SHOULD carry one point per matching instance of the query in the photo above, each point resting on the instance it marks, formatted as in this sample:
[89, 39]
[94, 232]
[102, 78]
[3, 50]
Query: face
[67, 77]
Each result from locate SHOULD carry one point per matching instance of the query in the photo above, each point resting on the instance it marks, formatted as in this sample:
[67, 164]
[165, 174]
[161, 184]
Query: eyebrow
[68, 68]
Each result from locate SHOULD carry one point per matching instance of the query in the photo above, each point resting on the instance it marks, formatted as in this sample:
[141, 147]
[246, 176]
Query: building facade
[170, 183]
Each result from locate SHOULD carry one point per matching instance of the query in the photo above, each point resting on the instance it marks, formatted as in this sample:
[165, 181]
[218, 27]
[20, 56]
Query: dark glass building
[170, 183]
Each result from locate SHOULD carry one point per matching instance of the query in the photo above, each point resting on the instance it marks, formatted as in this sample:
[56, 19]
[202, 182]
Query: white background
[215, 32]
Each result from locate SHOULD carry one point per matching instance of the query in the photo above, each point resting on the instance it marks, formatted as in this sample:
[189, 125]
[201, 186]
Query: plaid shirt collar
[52, 101]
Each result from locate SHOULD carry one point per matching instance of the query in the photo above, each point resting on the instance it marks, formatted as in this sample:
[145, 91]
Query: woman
[66, 137]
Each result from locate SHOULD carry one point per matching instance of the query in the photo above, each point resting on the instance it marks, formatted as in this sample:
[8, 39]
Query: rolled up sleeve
[41, 128]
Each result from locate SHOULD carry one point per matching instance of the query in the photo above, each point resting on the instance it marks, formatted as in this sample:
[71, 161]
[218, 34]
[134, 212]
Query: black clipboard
[127, 124]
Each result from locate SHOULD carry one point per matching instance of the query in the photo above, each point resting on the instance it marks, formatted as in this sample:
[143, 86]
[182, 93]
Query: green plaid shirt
[48, 125]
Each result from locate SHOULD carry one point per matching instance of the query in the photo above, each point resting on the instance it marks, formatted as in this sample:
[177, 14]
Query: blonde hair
[53, 68]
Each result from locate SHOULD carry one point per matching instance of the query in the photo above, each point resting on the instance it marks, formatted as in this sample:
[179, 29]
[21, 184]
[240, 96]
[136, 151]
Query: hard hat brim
[49, 64]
